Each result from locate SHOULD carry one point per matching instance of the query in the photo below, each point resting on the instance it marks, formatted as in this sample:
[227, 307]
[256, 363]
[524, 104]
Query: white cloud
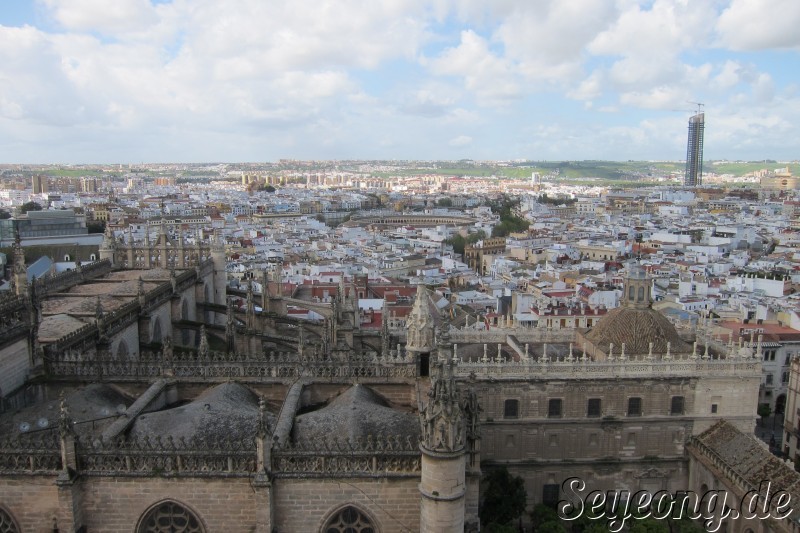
[547, 38]
[489, 76]
[760, 24]
[461, 140]
[109, 18]
[214, 77]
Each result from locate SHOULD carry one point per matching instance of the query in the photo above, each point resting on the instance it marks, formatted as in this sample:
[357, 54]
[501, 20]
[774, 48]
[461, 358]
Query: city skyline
[85, 82]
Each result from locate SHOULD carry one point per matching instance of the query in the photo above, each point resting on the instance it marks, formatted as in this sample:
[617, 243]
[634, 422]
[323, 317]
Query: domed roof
[228, 410]
[636, 328]
[357, 413]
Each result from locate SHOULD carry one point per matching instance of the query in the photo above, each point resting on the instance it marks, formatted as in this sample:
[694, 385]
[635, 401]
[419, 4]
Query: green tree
[30, 206]
[504, 498]
[499, 528]
[764, 410]
[553, 526]
[444, 202]
[4, 214]
[457, 242]
[96, 226]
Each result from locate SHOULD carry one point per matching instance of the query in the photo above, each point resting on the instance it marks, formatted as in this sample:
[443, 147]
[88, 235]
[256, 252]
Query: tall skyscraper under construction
[694, 152]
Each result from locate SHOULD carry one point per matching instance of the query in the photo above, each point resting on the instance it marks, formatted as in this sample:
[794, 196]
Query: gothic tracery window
[170, 517]
[349, 520]
[7, 524]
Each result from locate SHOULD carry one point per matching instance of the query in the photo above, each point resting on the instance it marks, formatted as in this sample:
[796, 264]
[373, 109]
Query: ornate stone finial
[20, 270]
[442, 418]
[622, 352]
[230, 327]
[611, 351]
[694, 350]
[341, 290]
[570, 358]
[386, 337]
[166, 349]
[263, 426]
[250, 308]
[65, 424]
[140, 294]
[650, 350]
[99, 314]
[668, 355]
[420, 323]
[203, 349]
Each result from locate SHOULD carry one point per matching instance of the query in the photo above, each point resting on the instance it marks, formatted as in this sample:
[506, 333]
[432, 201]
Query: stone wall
[305, 505]
[115, 505]
[736, 400]
[129, 335]
[15, 363]
[32, 501]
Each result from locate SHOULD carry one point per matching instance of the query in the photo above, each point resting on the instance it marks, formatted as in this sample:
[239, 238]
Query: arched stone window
[7, 524]
[631, 293]
[184, 310]
[641, 294]
[156, 331]
[349, 520]
[122, 350]
[169, 516]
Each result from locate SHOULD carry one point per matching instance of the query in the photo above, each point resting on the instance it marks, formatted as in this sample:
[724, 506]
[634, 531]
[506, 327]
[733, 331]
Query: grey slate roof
[228, 411]
[357, 413]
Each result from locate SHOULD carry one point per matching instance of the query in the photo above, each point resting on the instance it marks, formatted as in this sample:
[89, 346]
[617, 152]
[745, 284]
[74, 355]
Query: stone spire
[443, 427]
[386, 336]
[251, 308]
[341, 291]
[108, 246]
[443, 445]
[420, 323]
[140, 292]
[203, 349]
[220, 275]
[20, 270]
[230, 328]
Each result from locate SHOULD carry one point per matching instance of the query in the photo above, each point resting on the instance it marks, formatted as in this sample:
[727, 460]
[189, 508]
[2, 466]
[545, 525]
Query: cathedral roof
[96, 403]
[749, 458]
[357, 413]
[228, 410]
[637, 328]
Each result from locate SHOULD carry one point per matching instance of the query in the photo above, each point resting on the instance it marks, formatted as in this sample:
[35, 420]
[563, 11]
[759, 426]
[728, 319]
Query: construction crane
[699, 105]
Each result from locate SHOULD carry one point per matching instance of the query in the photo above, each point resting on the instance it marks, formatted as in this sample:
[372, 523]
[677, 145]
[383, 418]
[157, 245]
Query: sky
[130, 81]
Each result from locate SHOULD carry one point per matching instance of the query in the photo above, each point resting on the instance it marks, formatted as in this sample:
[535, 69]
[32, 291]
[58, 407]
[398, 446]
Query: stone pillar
[69, 492]
[442, 489]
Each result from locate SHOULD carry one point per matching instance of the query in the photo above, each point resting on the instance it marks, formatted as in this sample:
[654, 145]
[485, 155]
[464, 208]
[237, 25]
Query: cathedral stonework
[204, 412]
